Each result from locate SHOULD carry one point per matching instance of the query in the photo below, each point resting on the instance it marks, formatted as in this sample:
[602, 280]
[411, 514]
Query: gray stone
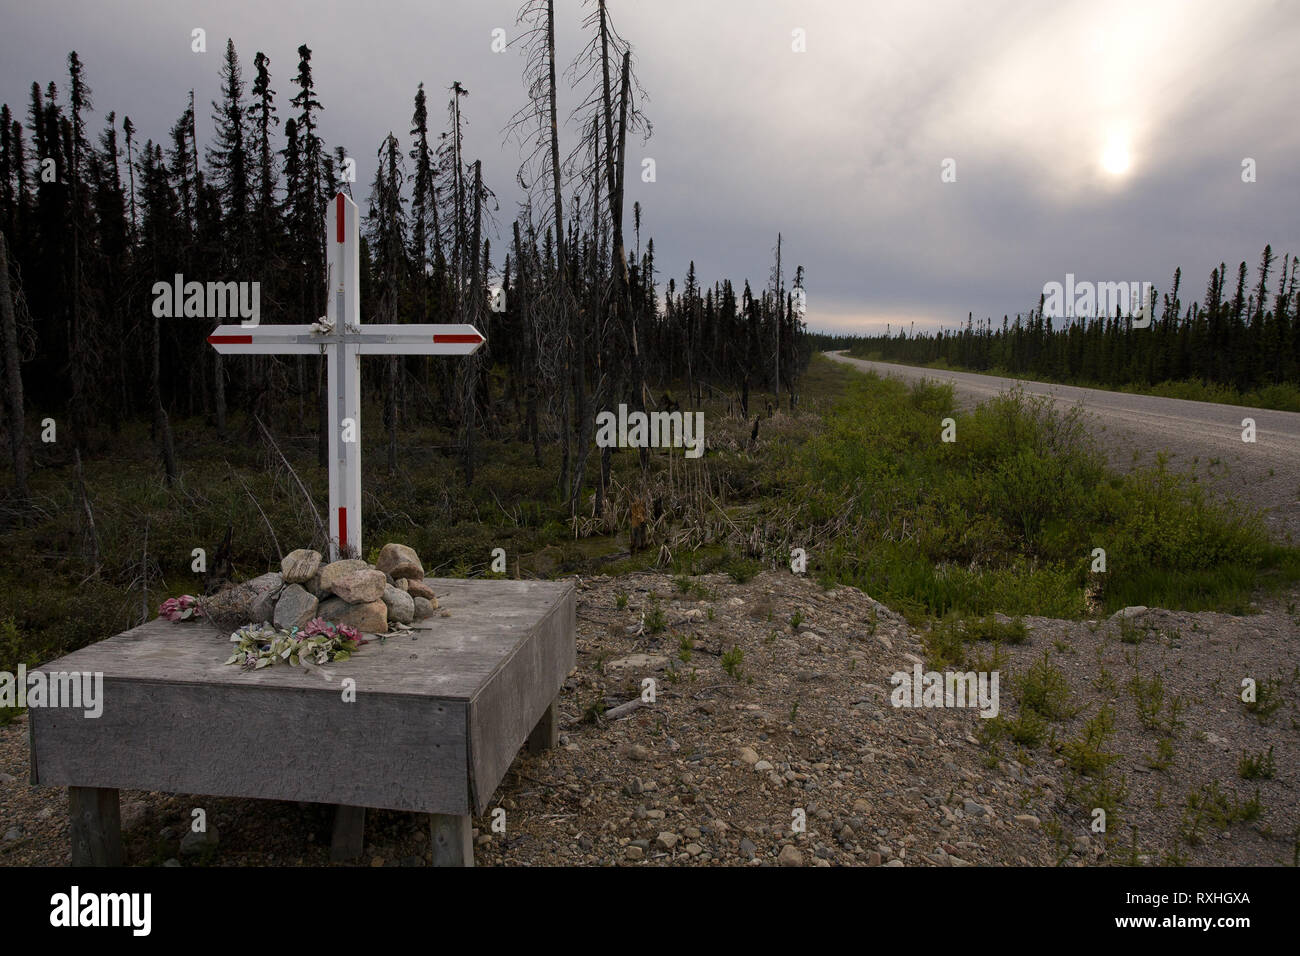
[360, 587]
[194, 843]
[262, 610]
[337, 569]
[1128, 613]
[747, 848]
[13, 833]
[172, 862]
[299, 567]
[400, 561]
[370, 618]
[789, 856]
[131, 813]
[295, 608]
[401, 606]
[420, 589]
[332, 608]
[7, 778]
[234, 605]
[424, 608]
[666, 840]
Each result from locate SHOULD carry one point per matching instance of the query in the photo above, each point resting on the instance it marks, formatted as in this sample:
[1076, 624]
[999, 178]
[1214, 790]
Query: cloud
[838, 148]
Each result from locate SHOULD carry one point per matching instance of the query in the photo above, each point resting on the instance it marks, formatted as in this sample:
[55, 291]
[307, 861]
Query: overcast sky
[1099, 138]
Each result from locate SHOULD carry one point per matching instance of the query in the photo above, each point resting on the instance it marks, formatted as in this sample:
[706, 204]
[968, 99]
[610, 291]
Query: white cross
[343, 339]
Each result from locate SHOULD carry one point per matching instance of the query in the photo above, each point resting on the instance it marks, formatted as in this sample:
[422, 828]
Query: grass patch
[655, 619]
[1209, 806]
[1268, 698]
[1153, 710]
[1005, 518]
[1260, 766]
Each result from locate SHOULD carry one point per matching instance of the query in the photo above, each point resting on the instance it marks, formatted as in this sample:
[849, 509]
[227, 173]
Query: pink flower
[180, 608]
[317, 625]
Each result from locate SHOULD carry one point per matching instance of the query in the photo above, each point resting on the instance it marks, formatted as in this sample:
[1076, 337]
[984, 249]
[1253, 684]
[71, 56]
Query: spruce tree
[263, 118]
[228, 156]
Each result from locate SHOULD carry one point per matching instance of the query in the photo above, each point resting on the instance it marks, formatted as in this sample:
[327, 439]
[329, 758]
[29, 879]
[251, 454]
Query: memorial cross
[342, 338]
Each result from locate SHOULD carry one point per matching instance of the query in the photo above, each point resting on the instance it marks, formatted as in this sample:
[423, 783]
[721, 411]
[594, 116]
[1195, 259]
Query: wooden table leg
[546, 734]
[96, 826]
[453, 839]
[348, 839]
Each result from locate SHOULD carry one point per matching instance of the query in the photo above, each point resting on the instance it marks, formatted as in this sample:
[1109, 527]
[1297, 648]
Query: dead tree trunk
[555, 139]
[469, 369]
[776, 294]
[219, 393]
[161, 426]
[562, 271]
[13, 381]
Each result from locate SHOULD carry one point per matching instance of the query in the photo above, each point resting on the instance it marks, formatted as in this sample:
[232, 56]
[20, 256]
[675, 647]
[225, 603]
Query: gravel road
[1199, 437]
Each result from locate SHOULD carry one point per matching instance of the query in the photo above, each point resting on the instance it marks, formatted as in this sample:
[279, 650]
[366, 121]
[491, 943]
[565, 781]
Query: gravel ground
[722, 767]
[1201, 438]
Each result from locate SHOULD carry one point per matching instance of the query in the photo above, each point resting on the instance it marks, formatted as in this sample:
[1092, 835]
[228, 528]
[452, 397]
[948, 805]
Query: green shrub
[1044, 690]
[732, 662]
[1259, 766]
[1085, 755]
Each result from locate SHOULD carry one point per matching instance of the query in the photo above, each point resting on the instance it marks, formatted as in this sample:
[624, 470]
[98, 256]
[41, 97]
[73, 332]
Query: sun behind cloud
[1116, 159]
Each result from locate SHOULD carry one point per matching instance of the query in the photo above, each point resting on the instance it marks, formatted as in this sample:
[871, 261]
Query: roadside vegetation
[1004, 519]
[1282, 396]
[1007, 517]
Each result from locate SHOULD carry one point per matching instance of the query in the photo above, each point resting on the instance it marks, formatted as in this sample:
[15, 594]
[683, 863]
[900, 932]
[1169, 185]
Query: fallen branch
[624, 710]
[144, 578]
[258, 506]
[324, 531]
[91, 533]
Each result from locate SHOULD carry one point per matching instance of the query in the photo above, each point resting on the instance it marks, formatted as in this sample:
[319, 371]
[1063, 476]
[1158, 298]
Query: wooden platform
[439, 715]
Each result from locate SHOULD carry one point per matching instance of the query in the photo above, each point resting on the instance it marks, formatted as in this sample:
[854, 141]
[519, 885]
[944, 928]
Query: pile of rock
[370, 597]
